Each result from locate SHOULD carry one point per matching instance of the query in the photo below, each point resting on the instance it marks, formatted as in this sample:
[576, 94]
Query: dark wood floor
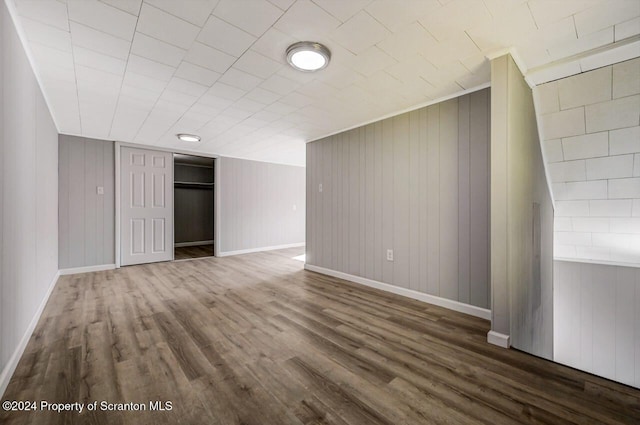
[254, 339]
[199, 251]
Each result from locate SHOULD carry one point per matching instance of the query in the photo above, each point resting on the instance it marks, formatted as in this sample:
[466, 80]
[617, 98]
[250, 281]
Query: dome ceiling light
[188, 137]
[308, 56]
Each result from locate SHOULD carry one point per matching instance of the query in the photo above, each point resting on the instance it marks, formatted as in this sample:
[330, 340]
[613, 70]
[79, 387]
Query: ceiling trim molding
[404, 111]
[602, 262]
[24, 41]
[619, 51]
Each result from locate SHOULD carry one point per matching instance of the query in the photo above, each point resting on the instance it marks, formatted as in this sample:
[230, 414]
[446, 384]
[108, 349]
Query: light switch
[100, 190]
[320, 187]
[389, 254]
[295, 207]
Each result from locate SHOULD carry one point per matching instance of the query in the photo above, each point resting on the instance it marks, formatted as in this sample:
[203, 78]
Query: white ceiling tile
[605, 15]
[280, 108]
[306, 21]
[342, 10]
[503, 29]
[201, 108]
[248, 105]
[99, 41]
[282, 4]
[226, 91]
[215, 102]
[141, 97]
[339, 76]
[194, 11]
[197, 74]
[412, 67]
[240, 79]
[147, 67]
[584, 43]
[266, 116]
[457, 16]
[455, 48]
[273, 44]
[224, 36]
[102, 17]
[407, 42]
[48, 56]
[359, 33]
[99, 61]
[263, 96]
[627, 29]
[157, 50]
[51, 13]
[47, 35]
[143, 82]
[210, 58]
[100, 82]
[187, 87]
[396, 15]
[129, 6]
[258, 65]
[296, 99]
[545, 12]
[279, 84]
[371, 61]
[501, 7]
[166, 27]
[263, 15]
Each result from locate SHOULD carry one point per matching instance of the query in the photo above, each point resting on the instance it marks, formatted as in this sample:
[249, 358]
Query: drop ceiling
[143, 70]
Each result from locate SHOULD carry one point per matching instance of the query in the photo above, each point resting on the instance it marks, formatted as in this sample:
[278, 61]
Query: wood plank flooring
[255, 339]
[199, 251]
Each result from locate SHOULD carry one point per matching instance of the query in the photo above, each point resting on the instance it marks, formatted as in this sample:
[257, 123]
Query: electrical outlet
[389, 254]
[100, 190]
[320, 187]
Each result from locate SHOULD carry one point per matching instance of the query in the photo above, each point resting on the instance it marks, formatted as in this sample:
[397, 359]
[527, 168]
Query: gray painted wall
[597, 319]
[28, 195]
[521, 217]
[416, 183]
[257, 204]
[86, 219]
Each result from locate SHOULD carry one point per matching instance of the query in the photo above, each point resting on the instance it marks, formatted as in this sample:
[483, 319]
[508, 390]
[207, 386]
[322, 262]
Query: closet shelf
[193, 185]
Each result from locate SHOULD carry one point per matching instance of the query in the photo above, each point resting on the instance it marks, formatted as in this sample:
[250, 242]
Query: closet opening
[193, 206]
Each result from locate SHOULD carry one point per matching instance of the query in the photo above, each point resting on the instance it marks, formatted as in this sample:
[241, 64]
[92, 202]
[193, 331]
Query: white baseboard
[11, 365]
[197, 243]
[496, 338]
[264, 248]
[483, 313]
[87, 269]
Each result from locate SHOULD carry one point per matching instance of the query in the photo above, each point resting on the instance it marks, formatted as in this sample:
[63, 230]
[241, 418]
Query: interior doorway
[194, 224]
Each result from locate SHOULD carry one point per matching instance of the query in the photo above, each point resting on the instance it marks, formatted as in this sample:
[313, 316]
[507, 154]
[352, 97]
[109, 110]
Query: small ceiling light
[188, 137]
[308, 56]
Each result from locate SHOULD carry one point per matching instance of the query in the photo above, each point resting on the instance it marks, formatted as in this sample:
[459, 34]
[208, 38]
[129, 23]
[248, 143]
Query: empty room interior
[349, 212]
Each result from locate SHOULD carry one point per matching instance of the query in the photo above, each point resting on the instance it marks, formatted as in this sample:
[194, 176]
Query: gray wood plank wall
[417, 183]
[86, 219]
[257, 204]
[597, 319]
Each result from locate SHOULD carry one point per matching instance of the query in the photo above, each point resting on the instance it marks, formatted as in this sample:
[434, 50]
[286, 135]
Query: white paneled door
[146, 202]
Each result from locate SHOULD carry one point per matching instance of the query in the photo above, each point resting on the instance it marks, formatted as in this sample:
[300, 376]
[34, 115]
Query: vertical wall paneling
[479, 106]
[521, 217]
[464, 199]
[596, 326]
[406, 183]
[433, 192]
[28, 199]
[449, 199]
[86, 219]
[257, 206]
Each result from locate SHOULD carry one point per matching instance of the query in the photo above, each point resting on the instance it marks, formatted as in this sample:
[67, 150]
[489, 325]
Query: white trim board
[87, 269]
[10, 367]
[496, 338]
[601, 262]
[482, 313]
[196, 243]
[264, 248]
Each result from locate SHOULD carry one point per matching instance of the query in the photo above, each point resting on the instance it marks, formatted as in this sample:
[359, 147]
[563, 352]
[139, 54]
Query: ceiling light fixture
[308, 56]
[188, 137]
